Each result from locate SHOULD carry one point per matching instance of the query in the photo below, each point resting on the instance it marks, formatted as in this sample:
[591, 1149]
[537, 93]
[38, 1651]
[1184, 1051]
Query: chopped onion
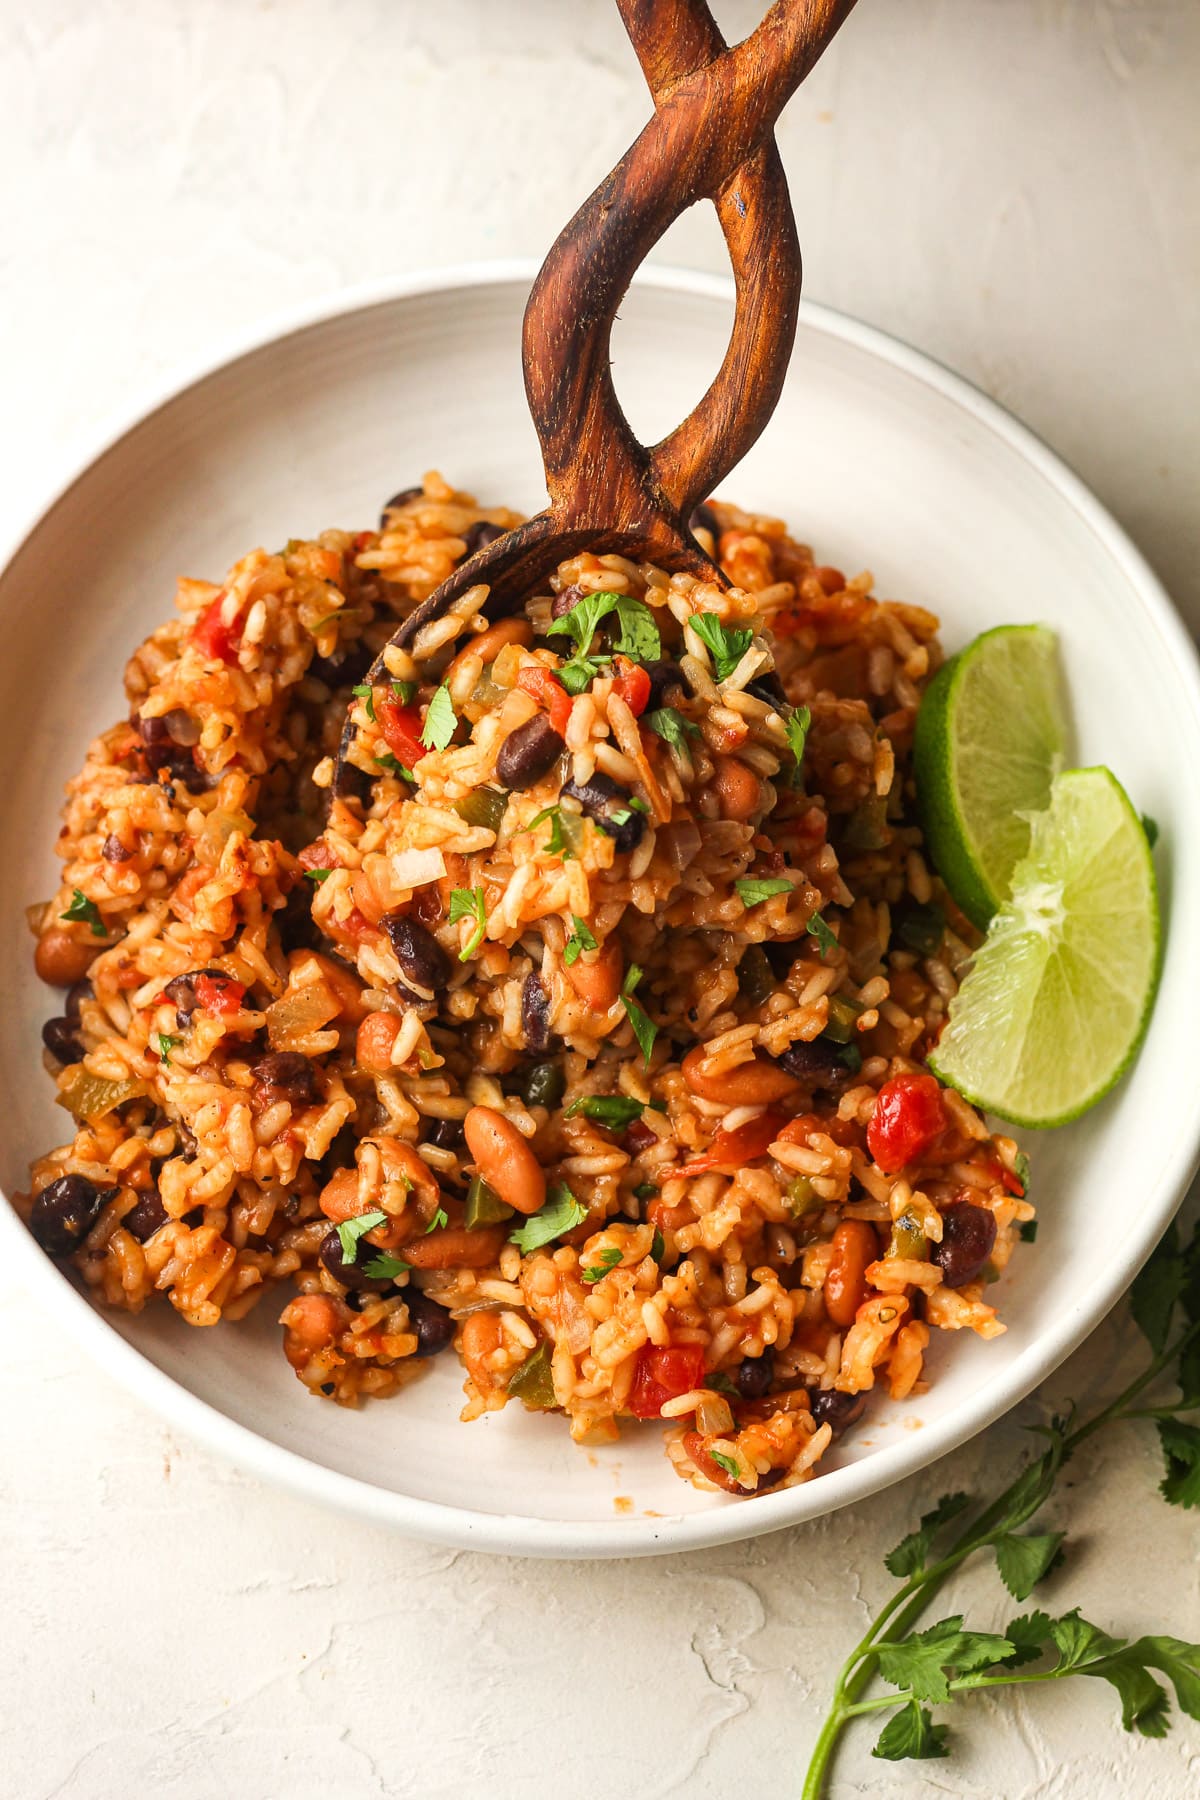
[414, 868]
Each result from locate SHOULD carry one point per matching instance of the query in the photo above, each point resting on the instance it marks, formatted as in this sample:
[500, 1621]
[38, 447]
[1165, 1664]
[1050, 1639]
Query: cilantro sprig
[638, 636]
[441, 720]
[948, 1661]
[644, 1028]
[752, 890]
[86, 911]
[581, 939]
[726, 644]
[562, 1212]
[468, 903]
[672, 726]
[350, 1230]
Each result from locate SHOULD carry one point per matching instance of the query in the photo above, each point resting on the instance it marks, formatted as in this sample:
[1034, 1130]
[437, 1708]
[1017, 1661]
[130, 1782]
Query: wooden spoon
[710, 138]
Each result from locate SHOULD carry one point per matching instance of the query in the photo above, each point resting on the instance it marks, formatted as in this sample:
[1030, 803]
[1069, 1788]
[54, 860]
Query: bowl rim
[628, 1535]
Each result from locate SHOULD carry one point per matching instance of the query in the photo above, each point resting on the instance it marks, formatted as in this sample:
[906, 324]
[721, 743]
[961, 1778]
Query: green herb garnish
[754, 889]
[165, 1045]
[384, 1267]
[350, 1230]
[816, 927]
[389, 762]
[562, 1212]
[671, 726]
[366, 692]
[639, 636]
[795, 727]
[438, 1222]
[658, 1244]
[947, 1661]
[85, 911]
[726, 644]
[644, 1028]
[467, 903]
[405, 691]
[440, 720]
[566, 831]
[608, 1259]
[1022, 1172]
[615, 1111]
[645, 1190]
[317, 875]
[723, 1461]
[581, 939]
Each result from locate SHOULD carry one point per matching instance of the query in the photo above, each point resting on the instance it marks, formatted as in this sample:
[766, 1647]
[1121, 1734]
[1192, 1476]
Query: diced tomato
[668, 1218]
[214, 639]
[363, 539]
[663, 1375]
[401, 727]
[633, 685]
[907, 1121]
[545, 687]
[219, 993]
[733, 1149]
[356, 925]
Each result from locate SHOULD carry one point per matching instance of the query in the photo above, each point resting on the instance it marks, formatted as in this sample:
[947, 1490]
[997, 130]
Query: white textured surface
[1012, 184]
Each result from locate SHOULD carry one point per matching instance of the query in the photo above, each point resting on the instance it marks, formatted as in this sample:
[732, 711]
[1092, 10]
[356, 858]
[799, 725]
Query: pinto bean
[769, 689]
[422, 960]
[146, 1217]
[598, 981]
[456, 1248]
[570, 596]
[482, 1335]
[398, 500]
[855, 1247]
[666, 676]
[756, 1083]
[738, 790]
[61, 958]
[373, 1042]
[528, 753]
[310, 1322]
[505, 1160]
[488, 645]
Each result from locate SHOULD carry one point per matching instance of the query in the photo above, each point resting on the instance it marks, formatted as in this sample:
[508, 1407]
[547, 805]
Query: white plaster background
[1013, 185]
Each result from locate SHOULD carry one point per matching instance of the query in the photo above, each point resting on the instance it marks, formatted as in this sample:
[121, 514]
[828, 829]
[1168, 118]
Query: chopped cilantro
[608, 1259]
[438, 1222]
[658, 1244]
[644, 1028]
[754, 889]
[645, 1190]
[388, 761]
[1021, 1171]
[728, 1463]
[639, 632]
[562, 1212]
[726, 644]
[581, 939]
[638, 804]
[350, 1230]
[85, 911]
[467, 903]
[165, 1045]
[671, 726]
[615, 1111]
[817, 928]
[638, 637]
[317, 875]
[566, 831]
[405, 692]
[384, 1267]
[796, 730]
[440, 720]
[366, 692]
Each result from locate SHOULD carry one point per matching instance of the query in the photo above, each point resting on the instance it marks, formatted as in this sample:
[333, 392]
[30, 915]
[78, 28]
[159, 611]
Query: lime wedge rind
[1058, 998]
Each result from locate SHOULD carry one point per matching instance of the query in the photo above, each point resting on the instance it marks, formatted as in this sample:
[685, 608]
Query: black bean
[76, 995]
[400, 499]
[351, 1275]
[818, 1064]
[114, 851]
[528, 753]
[340, 1154]
[294, 921]
[829, 1407]
[968, 1234]
[58, 1035]
[704, 519]
[422, 959]
[768, 688]
[446, 1134]
[535, 1013]
[600, 798]
[181, 991]
[666, 678]
[570, 596]
[345, 668]
[65, 1211]
[146, 1217]
[755, 1374]
[286, 1075]
[432, 1323]
[162, 751]
[480, 533]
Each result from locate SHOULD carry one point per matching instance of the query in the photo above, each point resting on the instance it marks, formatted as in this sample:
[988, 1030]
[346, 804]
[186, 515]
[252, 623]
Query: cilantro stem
[916, 1594]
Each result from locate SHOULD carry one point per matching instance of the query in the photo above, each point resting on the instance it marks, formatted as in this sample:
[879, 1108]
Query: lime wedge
[1059, 996]
[991, 736]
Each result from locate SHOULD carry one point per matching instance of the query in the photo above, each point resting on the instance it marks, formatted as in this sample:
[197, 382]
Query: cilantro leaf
[317, 875]
[384, 1267]
[1181, 1450]
[566, 831]
[725, 643]
[1157, 1288]
[608, 1259]
[467, 903]
[440, 720]
[438, 1222]
[911, 1733]
[165, 1045]
[912, 1552]
[924, 1661]
[658, 1245]
[644, 1028]
[616, 1111]
[639, 637]
[366, 692]
[350, 1230]
[730, 1464]
[1029, 1633]
[580, 622]
[1022, 1172]
[754, 889]
[86, 911]
[405, 691]
[816, 927]
[668, 723]
[581, 939]
[796, 730]
[1024, 1561]
[562, 1212]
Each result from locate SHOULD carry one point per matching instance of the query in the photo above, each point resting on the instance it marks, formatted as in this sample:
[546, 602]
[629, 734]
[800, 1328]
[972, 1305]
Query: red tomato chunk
[219, 993]
[907, 1121]
[214, 639]
[401, 727]
[662, 1375]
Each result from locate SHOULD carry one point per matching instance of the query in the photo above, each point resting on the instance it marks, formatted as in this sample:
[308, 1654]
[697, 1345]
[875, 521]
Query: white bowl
[878, 457]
